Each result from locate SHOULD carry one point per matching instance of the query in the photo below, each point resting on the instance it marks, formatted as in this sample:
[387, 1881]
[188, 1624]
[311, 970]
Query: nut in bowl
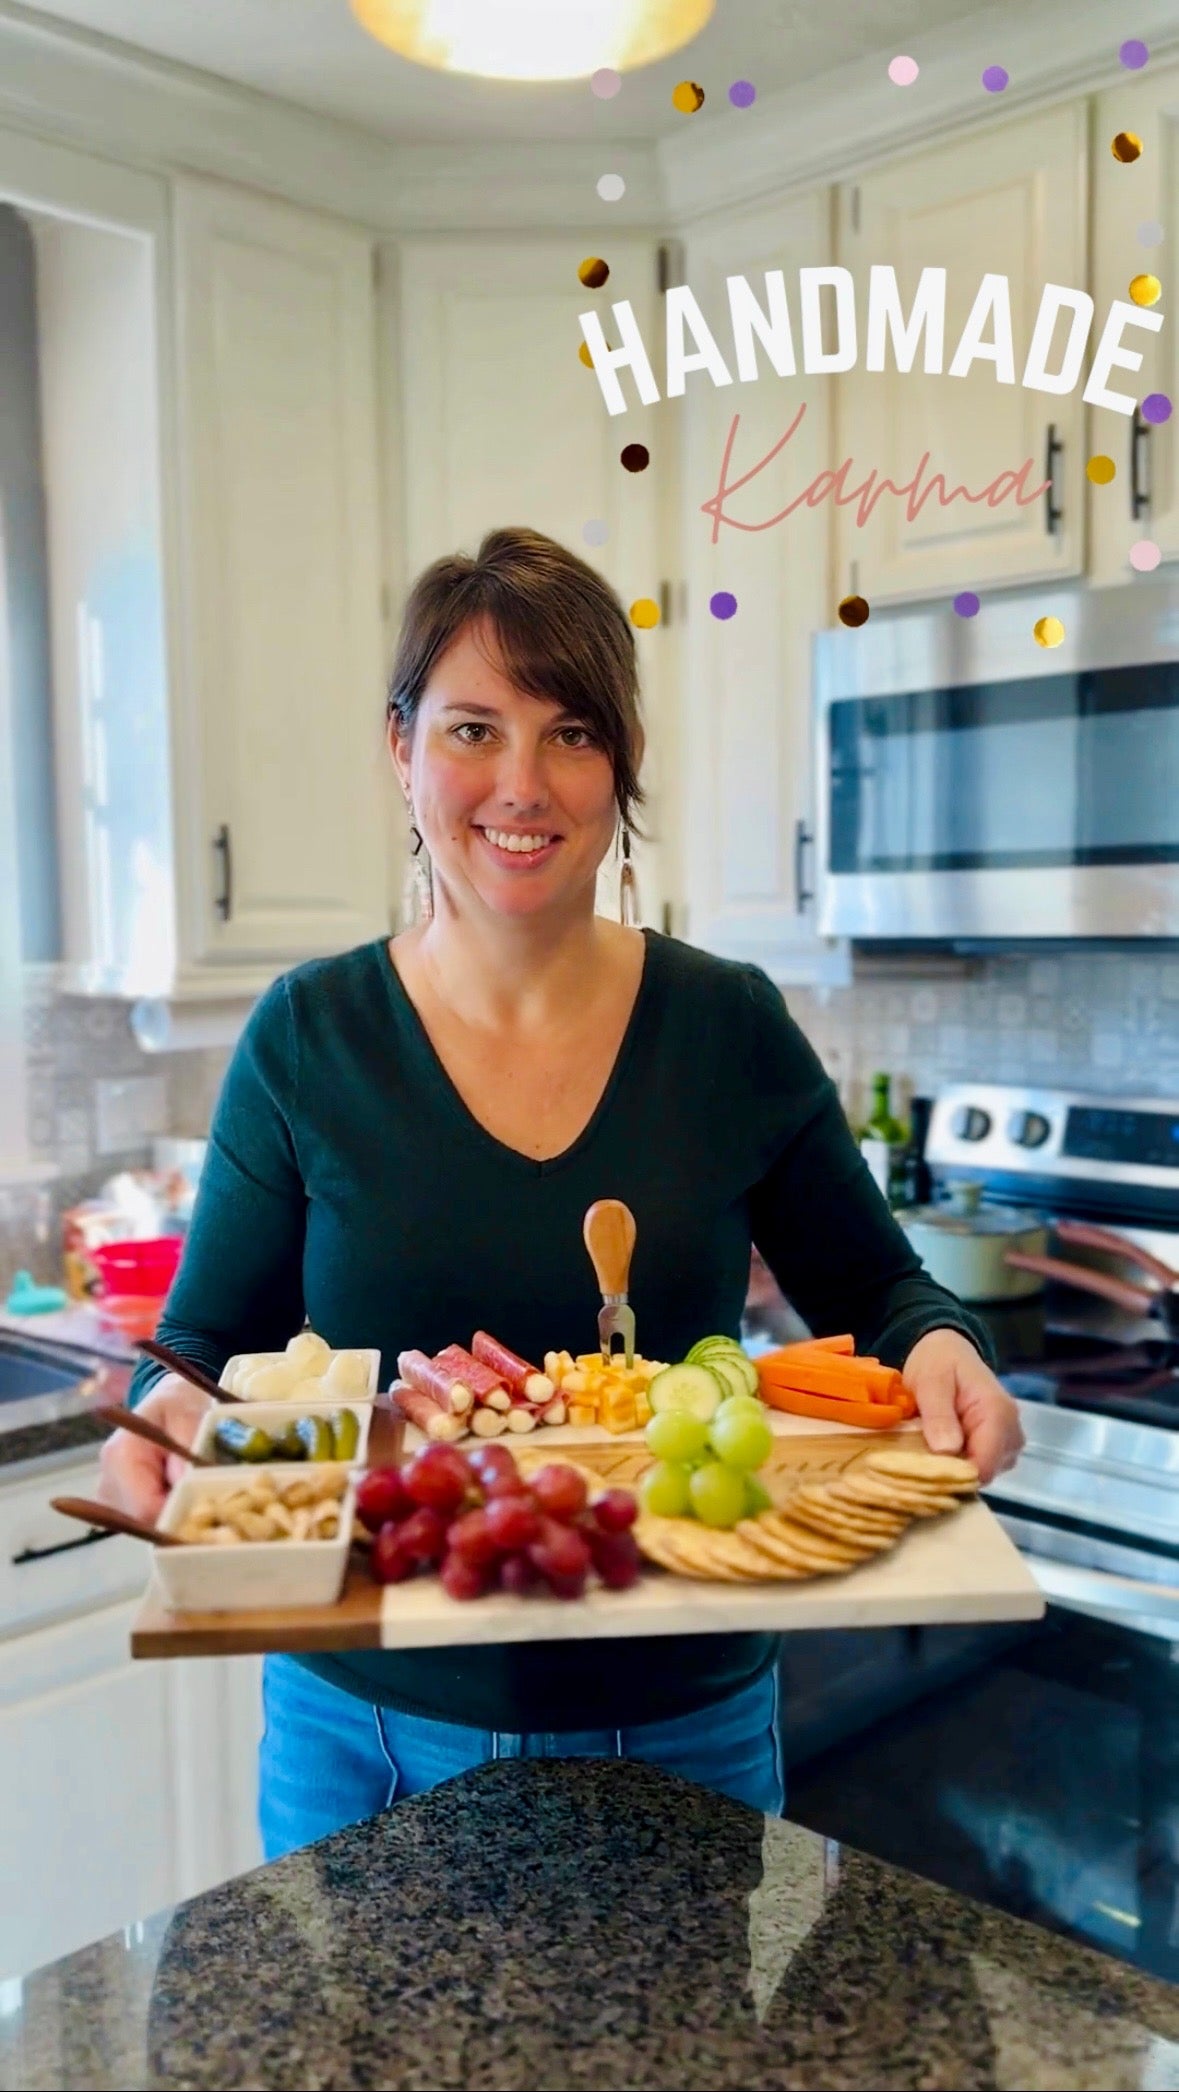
[308, 1372]
[286, 1431]
[238, 1552]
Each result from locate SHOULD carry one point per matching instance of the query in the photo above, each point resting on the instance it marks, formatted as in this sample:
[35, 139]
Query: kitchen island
[548, 1924]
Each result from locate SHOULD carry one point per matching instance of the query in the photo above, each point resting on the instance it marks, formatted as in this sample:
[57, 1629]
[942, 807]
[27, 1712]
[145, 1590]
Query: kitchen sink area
[50, 1379]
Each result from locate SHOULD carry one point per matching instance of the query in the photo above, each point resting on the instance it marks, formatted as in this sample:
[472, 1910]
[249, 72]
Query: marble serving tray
[961, 1568]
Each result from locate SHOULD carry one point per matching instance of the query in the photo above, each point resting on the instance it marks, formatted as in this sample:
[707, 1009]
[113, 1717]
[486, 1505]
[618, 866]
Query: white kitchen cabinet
[1143, 500]
[1011, 200]
[279, 753]
[503, 424]
[746, 680]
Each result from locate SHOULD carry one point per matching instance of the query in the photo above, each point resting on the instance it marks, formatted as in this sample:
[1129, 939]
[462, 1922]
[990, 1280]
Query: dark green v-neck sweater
[347, 1183]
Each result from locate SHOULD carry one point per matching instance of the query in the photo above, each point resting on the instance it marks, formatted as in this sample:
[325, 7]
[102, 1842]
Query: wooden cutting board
[958, 1568]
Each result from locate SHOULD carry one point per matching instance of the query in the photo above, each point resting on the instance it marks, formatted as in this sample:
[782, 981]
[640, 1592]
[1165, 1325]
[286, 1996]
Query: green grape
[757, 1498]
[717, 1494]
[741, 1439]
[664, 1490]
[741, 1405]
[674, 1435]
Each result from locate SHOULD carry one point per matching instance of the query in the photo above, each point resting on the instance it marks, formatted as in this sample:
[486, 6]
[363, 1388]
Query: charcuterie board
[963, 1569]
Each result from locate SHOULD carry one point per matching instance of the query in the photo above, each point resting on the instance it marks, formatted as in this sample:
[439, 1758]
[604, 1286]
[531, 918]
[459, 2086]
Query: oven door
[975, 786]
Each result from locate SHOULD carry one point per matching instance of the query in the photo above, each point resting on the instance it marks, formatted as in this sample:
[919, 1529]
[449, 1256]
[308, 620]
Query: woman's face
[514, 800]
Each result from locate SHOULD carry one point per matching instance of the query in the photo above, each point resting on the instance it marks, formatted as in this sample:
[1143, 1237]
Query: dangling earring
[417, 896]
[628, 892]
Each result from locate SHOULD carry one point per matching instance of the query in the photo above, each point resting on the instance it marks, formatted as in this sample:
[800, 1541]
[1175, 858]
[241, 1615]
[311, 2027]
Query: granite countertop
[585, 1924]
[47, 1427]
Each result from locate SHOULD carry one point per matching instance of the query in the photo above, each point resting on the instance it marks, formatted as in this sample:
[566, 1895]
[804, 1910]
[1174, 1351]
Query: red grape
[489, 1461]
[615, 1510]
[560, 1551]
[616, 1558]
[513, 1520]
[462, 1578]
[518, 1575]
[560, 1491]
[565, 1586]
[437, 1477]
[423, 1535]
[381, 1498]
[387, 1557]
[471, 1538]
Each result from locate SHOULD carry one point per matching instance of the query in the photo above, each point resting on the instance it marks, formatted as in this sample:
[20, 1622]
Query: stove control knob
[1028, 1129]
[970, 1123]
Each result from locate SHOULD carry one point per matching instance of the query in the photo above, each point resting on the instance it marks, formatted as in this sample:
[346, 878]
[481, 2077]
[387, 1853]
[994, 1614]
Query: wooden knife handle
[108, 1520]
[609, 1231]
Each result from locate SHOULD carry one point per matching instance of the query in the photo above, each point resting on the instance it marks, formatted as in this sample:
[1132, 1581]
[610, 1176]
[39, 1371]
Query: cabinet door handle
[42, 1554]
[802, 892]
[224, 901]
[1139, 446]
[1053, 513]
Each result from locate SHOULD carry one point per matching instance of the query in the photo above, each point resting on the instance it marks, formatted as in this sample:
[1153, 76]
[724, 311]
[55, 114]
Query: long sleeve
[818, 1217]
[240, 1282]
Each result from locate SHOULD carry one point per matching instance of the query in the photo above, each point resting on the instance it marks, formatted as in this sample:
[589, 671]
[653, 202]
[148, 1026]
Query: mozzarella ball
[271, 1383]
[308, 1353]
[309, 1391]
[248, 1363]
[348, 1373]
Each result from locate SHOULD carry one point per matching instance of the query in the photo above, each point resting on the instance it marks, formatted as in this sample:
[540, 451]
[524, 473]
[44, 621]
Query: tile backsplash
[1102, 1021]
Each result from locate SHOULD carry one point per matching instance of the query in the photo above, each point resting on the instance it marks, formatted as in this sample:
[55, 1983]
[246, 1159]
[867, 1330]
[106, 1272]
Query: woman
[409, 1135]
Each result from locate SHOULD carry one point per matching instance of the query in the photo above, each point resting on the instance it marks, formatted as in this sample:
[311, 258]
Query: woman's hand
[963, 1409]
[135, 1476]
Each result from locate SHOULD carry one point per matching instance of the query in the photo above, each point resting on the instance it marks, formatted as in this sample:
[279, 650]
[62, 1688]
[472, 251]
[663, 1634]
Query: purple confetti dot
[1156, 408]
[966, 604]
[1134, 53]
[742, 94]
[995, 79]
[723, 604]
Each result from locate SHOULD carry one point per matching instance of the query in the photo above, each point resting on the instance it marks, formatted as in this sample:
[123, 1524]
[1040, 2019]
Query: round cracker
[917, 1503]
[944, 1469]
[875, 1516]
[825, 1546]
[812, 1553]
[685, 1550]
[867, 1539]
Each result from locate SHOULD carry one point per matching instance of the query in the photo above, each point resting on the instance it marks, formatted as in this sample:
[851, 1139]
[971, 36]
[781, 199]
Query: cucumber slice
[716, 1351]
[688, 1387]
[726, 1369]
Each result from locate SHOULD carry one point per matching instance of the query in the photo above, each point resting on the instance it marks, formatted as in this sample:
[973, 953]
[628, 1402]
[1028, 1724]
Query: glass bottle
[883, 1142]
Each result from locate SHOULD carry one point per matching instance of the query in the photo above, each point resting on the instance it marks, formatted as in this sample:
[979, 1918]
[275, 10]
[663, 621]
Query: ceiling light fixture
[533, 39]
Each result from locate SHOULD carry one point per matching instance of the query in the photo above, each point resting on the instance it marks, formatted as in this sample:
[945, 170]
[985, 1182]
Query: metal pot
[963, 1245]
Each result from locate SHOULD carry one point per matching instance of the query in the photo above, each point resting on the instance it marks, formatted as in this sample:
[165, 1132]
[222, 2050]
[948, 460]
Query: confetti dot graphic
[584, 353]
[1146, 290]
[595, 532]
[966, 604]
[1048, 631]
[635, 456]
[611, 188]
[902, 72]
[1134, 53]
[605, 83]
[743, 94]
[853, 611]
[593, 272]
[644, 613]
[1150, 233]
[996, 78]
[1100, 470]
[687, 97]
[1145, 556]
[722, 604]
[1156, 408]
[1126, 146]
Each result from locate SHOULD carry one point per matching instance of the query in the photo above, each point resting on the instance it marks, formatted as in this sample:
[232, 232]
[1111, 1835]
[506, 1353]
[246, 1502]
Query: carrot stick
[840, 1347]
[865, 1416]
[859, 1379]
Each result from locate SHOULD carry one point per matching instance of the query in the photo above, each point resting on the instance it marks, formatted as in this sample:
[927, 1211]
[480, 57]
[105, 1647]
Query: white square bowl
[258, 1573]
[269, 1416]
[273, 1358]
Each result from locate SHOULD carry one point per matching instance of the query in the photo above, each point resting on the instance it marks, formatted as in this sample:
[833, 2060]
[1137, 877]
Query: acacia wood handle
[111, 1521]
[609, 1231]
[124, 1419]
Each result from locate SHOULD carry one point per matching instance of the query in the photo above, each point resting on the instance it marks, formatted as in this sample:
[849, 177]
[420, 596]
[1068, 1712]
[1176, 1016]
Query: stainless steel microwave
[975, 786]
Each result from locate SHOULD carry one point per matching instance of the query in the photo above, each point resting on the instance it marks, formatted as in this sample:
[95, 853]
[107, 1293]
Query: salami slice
[462, 1367]
[423, 1411]
[522, 1380]
[432, 1377]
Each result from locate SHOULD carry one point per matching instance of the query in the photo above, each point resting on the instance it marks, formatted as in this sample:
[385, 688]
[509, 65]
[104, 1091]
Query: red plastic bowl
[142, 1270]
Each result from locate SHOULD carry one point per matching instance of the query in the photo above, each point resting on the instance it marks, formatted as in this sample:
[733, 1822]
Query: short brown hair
[561, 631]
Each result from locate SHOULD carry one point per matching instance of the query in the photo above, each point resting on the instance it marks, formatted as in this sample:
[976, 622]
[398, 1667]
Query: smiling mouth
[526, 846]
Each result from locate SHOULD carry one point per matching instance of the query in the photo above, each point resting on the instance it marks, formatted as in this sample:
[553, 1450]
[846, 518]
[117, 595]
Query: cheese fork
[609, 1232]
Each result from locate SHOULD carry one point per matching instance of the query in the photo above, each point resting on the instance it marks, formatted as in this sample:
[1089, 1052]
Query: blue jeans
[328, 1759]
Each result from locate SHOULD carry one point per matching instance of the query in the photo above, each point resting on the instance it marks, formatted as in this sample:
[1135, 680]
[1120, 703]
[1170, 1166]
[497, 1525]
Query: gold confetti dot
[1146, 290]
[584, 353]
[1048, 631]
[687, 97]
[644, 613]
[1100, 470]
[593, 272]
[1126, 146]
[853, 611]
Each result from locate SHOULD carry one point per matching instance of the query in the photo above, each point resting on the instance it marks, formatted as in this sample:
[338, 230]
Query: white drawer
[48, 1566]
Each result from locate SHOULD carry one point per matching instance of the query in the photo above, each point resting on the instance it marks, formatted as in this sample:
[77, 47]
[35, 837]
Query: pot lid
[962, 1213]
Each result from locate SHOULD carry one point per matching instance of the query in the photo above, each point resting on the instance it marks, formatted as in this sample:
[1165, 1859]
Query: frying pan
[1160, 1299]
